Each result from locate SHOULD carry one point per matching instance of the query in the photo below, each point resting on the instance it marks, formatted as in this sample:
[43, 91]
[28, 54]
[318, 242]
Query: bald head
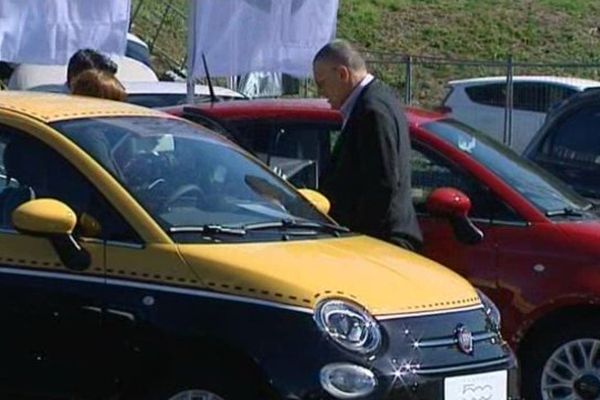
[341, 52]
[337, 69]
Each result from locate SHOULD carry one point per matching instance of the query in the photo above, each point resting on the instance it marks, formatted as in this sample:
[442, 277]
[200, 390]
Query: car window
[32, 170]
[576, 139]
[188, 178]
[300, 150]
[492, 94]
[538, 96]
[254, 136]
[571, 150]
[543, 190]
[138, 51]
[430, 171]
[154, 100]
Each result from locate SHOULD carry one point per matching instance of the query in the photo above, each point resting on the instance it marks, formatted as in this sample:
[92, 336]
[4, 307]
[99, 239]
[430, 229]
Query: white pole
[191, 50]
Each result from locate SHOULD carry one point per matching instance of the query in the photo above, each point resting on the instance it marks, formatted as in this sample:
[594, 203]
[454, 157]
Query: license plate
[488, 386]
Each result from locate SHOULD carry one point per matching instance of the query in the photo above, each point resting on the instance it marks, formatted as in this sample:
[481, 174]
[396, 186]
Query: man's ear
[343, 73]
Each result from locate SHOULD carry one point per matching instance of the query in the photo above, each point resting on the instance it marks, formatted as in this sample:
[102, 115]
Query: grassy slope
[530, 30]
[553, 30]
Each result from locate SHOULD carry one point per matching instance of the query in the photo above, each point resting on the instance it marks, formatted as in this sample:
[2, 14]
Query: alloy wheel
[196, 395]
[573, 371]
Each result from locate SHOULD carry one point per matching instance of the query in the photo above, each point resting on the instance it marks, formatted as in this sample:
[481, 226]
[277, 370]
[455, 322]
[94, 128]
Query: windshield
[186, 177]
[546, 192]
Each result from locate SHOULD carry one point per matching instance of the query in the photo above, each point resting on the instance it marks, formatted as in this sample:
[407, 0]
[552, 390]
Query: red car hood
[585, 235]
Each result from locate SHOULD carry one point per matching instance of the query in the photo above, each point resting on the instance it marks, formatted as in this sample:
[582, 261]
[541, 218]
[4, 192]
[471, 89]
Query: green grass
[541, 31]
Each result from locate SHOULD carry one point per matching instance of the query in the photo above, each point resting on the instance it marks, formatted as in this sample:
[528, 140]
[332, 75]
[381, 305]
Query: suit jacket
[368, 179]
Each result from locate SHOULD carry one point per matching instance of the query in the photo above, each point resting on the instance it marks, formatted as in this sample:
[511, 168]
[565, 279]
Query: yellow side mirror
[44, 217]
[317, 199]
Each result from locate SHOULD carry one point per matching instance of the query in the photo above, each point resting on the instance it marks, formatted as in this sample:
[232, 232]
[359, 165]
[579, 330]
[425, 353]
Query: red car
[524, 238]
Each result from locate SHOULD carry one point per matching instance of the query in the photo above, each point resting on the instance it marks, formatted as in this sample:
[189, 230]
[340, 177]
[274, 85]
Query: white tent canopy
[50, 31]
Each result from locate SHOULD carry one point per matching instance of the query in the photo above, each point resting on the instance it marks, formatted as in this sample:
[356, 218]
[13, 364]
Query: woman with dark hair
[86, 59]
[98, 83]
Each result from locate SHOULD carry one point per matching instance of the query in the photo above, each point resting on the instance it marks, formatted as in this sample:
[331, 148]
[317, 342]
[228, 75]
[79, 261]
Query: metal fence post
[408, 84]
[135, 13]
[160, 24]
[507, 139]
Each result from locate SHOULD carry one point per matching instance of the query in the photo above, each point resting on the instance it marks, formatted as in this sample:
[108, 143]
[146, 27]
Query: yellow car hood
[383, 278]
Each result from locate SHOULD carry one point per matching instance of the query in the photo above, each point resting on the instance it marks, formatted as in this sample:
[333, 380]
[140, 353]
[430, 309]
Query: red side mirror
[455, 205]
[448, 202]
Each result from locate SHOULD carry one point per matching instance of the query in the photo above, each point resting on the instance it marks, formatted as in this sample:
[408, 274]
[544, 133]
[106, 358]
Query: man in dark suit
[368, 179]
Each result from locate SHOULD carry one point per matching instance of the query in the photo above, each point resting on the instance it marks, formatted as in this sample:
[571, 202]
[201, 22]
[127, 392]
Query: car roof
[132, 37]
[53, 107]
[576, 83]
[28, 76]
[177, 87]
[304, 109]
[317, 109]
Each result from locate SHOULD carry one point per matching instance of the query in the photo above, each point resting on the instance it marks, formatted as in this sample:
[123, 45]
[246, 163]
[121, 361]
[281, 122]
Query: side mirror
[455, 205]
[55, 220]
[448, 202]
[320, 202]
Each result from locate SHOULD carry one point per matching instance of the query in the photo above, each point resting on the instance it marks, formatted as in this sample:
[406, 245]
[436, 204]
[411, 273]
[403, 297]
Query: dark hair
[341, 52]
[98, 83]
[85, 59]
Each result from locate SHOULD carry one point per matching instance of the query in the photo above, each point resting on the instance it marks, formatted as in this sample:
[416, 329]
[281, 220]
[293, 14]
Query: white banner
[242, 36]
[50, 31]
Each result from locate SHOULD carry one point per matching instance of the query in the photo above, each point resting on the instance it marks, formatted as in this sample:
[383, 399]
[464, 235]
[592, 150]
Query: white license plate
[488, 386]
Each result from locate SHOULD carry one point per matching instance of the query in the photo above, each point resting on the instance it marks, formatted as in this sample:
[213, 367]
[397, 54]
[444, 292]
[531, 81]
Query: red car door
[476, 262]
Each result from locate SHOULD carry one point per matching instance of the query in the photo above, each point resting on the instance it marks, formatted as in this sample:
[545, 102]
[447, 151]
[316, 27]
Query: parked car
[481, 103]
[568, 144]
[136, 49]
[156, 94]
[164, 94]
[142, 256]
[52, 78]
[529, 242]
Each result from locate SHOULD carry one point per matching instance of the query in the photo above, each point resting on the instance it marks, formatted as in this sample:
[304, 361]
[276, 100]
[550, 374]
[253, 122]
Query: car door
[476, 262]
[51, 338]
[571, 150]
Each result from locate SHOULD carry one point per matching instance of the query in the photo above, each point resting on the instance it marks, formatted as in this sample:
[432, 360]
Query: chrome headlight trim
[491, 310]
[358, 381]
[349, 325]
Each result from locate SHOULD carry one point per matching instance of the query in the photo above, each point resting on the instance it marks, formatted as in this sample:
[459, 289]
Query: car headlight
[349, 325]
[490, 309]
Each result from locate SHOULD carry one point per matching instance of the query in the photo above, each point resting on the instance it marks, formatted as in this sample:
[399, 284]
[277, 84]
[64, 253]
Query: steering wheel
[184, 190]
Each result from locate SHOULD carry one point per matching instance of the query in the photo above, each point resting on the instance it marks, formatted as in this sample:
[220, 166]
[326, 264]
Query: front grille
[429, 344]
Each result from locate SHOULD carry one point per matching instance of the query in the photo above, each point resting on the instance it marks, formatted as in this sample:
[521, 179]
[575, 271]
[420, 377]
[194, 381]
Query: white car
[156, 94]
[481, 102]
[164, 94]
[30, 76]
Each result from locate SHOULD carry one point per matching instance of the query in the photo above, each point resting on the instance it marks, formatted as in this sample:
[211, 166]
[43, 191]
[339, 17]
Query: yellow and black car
[143, 257]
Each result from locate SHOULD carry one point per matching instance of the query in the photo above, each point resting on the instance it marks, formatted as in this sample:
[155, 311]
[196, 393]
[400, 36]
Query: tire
[563, 363]
[194, 381]
[196, 395]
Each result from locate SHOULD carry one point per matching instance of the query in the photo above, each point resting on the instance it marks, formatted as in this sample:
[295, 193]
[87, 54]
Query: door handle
[93, 309]
[123, 314]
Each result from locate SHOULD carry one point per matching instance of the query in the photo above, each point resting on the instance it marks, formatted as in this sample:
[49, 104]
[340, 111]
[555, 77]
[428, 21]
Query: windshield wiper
[590, 206]
[564, 212]
[295, 224]
[209, 229]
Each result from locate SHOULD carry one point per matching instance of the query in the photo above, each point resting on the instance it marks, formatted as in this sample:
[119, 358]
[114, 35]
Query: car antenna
[213, 98]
